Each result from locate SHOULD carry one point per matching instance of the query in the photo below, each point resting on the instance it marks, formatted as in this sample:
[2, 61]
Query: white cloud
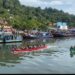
[65, 5]
[56, 3]
[71, 9]
[34, 3]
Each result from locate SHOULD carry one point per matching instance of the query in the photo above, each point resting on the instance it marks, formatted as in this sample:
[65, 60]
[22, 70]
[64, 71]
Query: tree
[23, 17]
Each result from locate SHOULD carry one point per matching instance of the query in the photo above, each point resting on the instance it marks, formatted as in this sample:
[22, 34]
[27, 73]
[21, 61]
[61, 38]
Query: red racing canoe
[29, 49]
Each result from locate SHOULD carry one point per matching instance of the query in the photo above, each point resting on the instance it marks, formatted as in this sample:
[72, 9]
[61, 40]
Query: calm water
[56, 59]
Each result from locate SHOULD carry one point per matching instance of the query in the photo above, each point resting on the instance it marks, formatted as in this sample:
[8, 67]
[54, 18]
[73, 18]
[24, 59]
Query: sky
[65, 5]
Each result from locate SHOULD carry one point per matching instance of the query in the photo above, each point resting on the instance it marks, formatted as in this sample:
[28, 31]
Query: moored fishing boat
[38, 35]
[9, 38]
[67, 33]
[30, 36]
[44, 35]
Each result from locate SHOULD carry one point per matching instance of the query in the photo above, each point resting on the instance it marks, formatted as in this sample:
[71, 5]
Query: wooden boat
[38, 35]
[44, 35]
[57, 35]
[29, 36]
[63, 34]
[29, 49]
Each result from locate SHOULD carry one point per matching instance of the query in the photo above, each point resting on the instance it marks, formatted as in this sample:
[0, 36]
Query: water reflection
[6, 57]
[9, 58]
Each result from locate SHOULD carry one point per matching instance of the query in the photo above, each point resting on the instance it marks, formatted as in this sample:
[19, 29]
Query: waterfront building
[8, 33]
[62, 25]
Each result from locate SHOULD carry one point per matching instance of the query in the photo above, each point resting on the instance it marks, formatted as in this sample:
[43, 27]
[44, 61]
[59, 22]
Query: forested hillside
[23, 17]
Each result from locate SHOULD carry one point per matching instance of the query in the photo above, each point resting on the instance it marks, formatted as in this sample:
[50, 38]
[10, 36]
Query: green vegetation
[23, 17]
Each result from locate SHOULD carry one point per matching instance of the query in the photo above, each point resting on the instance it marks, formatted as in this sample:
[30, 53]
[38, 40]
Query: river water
[57, 59]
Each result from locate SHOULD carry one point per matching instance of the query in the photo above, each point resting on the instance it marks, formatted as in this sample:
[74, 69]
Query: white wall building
[62, 25]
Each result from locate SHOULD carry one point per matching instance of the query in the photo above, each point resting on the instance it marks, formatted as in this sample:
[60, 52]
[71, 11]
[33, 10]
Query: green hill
[23, 17]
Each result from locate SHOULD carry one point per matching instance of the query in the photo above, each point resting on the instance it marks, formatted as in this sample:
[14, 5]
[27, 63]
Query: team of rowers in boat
[31, 47]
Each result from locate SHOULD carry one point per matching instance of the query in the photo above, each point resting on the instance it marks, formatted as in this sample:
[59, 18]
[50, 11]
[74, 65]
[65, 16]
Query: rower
[44, 44]
[41, 45]
[22, 48]
[34, 46]
[30, 47]
[71, 47]
[27, 48]
[74, 47]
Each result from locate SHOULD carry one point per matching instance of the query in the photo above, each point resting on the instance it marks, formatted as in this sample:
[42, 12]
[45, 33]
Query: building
[62, 25]
[51, 24]
[5, 26]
